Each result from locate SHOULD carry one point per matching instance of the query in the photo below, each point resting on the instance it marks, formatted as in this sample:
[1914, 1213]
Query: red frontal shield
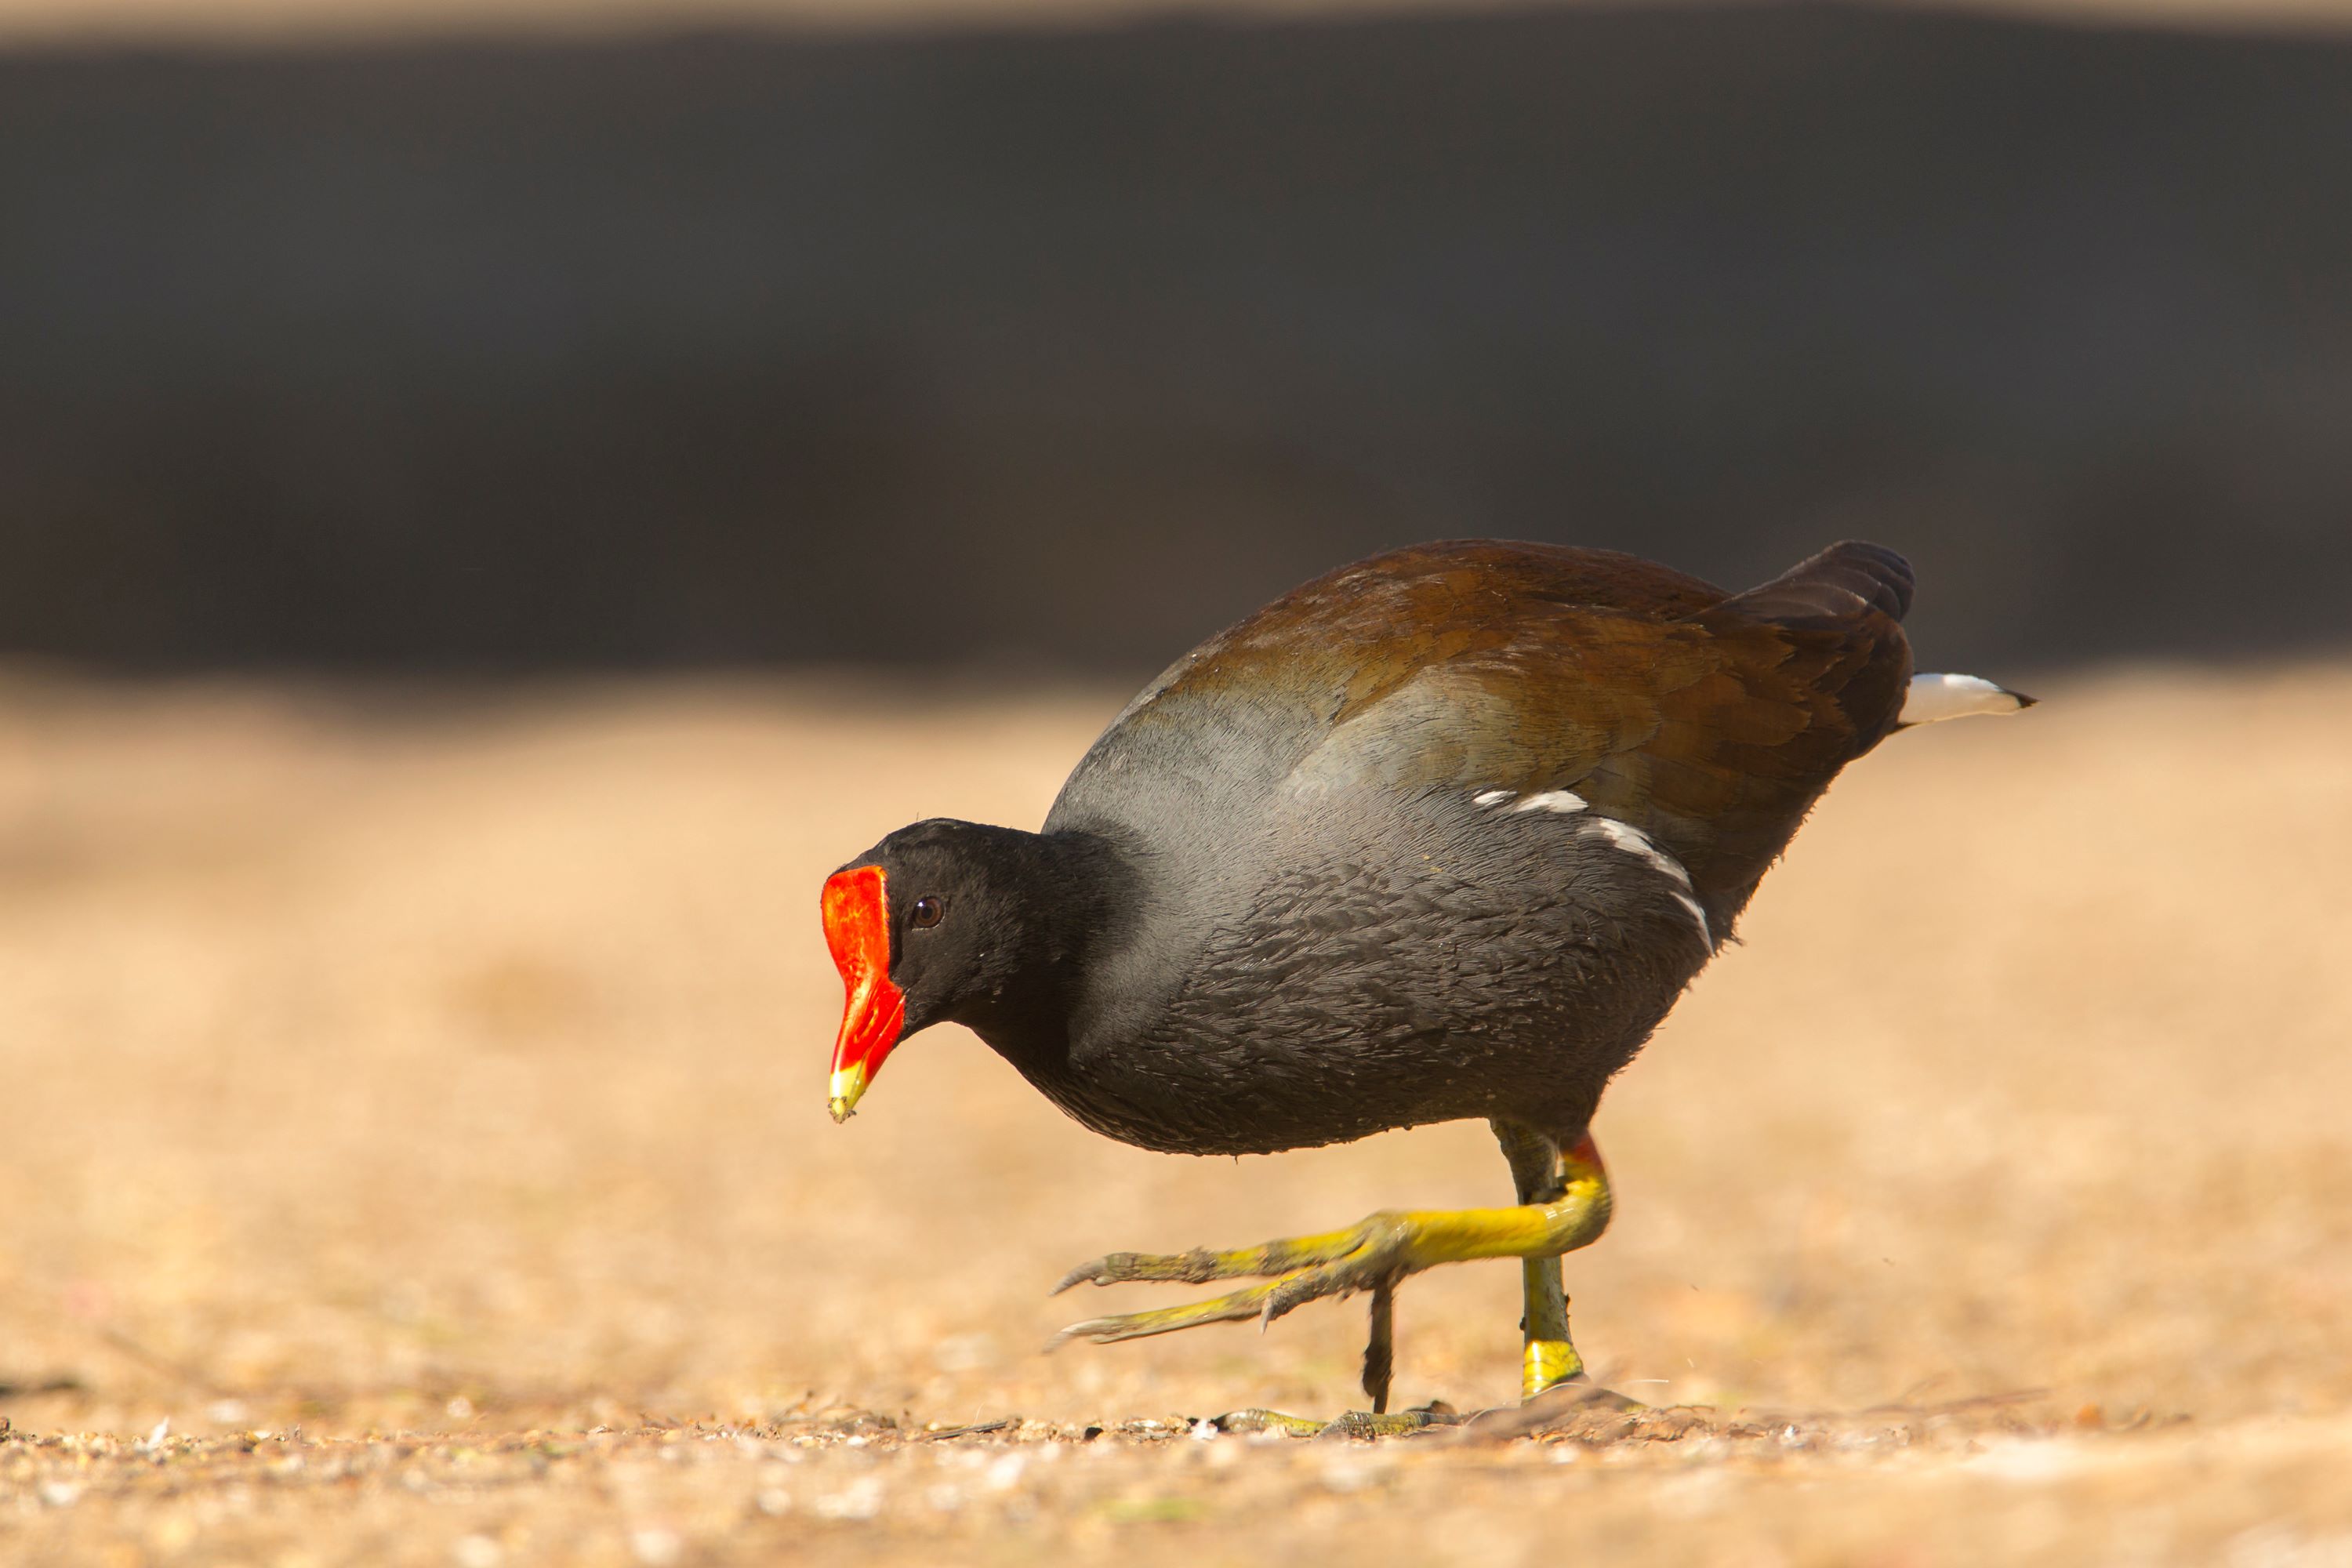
[857, 929]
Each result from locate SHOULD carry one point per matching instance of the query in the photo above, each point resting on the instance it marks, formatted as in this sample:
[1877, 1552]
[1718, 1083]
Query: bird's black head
[949, 921]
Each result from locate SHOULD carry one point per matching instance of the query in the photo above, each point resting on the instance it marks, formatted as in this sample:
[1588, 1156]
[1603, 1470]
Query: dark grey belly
[1356, 998]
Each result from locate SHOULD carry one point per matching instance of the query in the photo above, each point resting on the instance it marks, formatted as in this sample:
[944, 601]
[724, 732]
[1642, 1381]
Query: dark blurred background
[1057, 348]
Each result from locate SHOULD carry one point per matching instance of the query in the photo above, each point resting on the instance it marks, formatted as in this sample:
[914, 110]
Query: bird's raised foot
[1265, 1261]
[1356, 1424]
[1376, 1250]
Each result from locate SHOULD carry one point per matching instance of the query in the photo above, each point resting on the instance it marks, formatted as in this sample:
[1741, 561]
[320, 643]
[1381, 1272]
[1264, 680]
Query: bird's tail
[1841, 583]
[1846, 587]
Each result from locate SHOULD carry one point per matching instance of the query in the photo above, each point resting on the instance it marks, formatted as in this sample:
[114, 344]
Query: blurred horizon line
[30, 679]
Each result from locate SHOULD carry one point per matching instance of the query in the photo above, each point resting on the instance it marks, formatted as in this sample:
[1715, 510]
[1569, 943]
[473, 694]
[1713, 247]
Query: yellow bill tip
[848, 1084]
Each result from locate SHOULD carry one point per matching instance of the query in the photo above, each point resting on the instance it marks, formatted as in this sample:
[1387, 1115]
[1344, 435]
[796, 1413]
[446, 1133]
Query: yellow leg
[1542, 1174]
[1565, 1207]
[1548, 1358]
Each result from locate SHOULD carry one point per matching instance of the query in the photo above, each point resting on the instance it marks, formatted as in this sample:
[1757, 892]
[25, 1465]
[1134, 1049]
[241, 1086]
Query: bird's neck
[1079, 900]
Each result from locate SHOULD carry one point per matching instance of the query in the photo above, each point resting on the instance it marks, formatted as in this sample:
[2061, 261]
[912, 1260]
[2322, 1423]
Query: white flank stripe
[1560, 800]
[1705, 935]
[1934, 697]
[1633, 841]
[1495, 796]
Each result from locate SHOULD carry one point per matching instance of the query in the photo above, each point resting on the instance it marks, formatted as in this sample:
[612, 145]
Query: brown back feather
[1710, 721]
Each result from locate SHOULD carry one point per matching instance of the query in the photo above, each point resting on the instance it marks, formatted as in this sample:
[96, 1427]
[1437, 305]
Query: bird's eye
[926, 913]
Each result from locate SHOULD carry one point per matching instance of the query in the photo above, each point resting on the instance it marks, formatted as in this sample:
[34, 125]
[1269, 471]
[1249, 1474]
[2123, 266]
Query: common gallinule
[1442, 833]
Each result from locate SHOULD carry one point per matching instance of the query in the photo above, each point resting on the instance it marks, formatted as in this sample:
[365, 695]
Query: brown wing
[1238, 714]
[1352, 634]
[1710, 724]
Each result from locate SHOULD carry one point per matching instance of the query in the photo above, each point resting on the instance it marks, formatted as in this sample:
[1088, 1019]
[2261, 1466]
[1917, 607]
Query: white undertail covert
[1935, 696]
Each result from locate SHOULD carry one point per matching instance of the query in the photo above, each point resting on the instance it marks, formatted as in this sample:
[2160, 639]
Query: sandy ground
[417, 1102]
[273, 22]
